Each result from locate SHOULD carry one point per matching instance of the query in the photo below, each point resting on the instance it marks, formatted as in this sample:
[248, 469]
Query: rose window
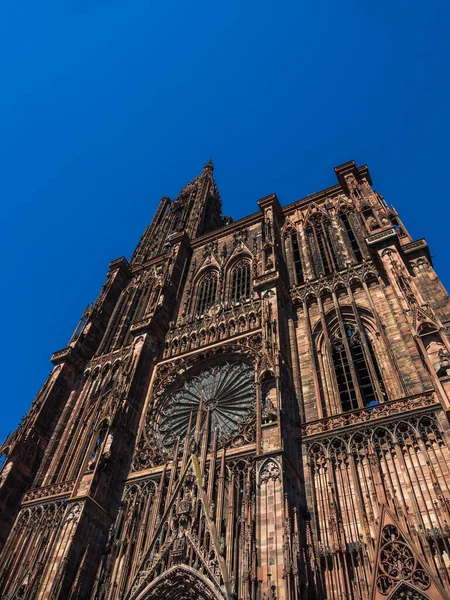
[226, 391]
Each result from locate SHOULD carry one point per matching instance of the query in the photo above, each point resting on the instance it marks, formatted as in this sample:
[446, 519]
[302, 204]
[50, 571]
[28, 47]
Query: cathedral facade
[250, 410]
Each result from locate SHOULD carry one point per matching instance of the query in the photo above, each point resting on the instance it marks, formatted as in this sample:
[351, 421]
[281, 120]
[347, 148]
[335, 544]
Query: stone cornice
[272, 277]
[369, 414]
[68, 355]
[231, 340]
[49, 492]
[315, 197]
[226, 230]
[416, 245]
[120, 263]
[381, 236]
[344, 277]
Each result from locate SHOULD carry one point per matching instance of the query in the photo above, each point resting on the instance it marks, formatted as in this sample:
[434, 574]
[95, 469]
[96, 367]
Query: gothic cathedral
[250, 410]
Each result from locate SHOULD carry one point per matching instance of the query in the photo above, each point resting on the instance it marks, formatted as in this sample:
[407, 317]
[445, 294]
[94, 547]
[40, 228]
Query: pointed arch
[269, 470]
[209, 261]
[293, 252]
[239, 279]
[344, 204]
[399, 567]
[206, 290]
[238, 255]
[288, 227]
[350, 233]
[180, 583]
[407, 591]
[127, 308]
[321, 244]
[312, 211]
[348, 352]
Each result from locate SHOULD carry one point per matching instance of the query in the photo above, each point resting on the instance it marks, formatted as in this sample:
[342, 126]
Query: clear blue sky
[108, 105]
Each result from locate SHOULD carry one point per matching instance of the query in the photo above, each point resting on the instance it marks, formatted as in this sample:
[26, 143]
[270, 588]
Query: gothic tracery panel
[355, 474]
[223, 394]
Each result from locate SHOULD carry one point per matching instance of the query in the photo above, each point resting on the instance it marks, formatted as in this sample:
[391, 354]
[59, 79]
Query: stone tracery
[223, 394]
[280, 488]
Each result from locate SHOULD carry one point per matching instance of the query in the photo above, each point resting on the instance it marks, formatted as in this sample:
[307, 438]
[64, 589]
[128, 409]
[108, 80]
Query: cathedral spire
[196, 210]
[209, 166]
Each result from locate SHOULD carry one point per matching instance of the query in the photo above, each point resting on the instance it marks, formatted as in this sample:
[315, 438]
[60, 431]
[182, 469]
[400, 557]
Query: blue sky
[108, 105]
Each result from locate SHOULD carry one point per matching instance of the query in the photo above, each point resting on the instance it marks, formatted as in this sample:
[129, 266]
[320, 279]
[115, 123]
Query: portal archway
[181, 583]
[406, 591]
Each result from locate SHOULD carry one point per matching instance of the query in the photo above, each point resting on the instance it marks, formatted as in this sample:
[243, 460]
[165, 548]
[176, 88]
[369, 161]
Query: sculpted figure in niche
[443, 369]
[435, 349]
[269, 226]
[269, 261]
[372, 223]
[269, 400]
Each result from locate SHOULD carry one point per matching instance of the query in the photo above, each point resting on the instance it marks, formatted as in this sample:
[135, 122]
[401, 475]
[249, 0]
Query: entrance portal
[181, 583]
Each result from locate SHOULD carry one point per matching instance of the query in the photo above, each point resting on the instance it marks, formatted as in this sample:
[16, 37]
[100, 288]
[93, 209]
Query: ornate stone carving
[223, 394]
[240, 238]
[379, 237]
[220, 324]
[398, 563]
[370, 413]
[57, 489]
[340, 279]
[270, 472]
[416, 245]
[148, 454]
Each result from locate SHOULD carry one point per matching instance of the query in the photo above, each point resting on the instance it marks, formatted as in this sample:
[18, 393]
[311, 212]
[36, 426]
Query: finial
[209, 166]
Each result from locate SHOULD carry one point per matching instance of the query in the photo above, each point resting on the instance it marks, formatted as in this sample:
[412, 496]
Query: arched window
[114, 322]
[351, 237]
[177, 219]
[207, 290]
[240, 281]
[357, 372]
[125, 328]
[143, 301]
[319, 237]
[121, 319]
[297, 259]
[99, 440]
[98, 443]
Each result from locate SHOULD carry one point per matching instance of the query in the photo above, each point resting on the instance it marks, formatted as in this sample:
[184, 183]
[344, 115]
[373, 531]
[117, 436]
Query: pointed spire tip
[209, 165]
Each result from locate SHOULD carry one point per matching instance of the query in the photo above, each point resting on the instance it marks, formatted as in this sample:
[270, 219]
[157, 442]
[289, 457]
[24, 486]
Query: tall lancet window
[296, 256]
[321, 244]
[240, 281]
[352, 238]
[357, 371]
[207, 292]
[177, 219]
[115, 321]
